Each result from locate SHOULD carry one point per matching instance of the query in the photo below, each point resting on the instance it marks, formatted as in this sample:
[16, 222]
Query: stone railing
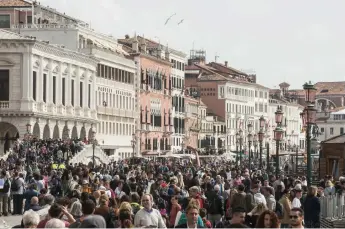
[4, 157]
[4, 104]
[87, 153]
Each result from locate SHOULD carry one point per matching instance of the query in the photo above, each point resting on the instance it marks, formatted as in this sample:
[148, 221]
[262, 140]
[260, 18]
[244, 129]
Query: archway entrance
[74, 133]
[82, 133]
[8, 135]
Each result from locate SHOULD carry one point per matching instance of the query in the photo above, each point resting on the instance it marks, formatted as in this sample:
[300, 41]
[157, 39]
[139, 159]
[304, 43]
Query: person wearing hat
[296, 203]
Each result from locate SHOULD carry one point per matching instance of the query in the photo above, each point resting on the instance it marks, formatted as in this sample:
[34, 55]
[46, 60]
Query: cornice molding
[65, 53]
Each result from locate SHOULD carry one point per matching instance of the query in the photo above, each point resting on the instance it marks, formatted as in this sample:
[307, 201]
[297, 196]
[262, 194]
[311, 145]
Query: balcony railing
[4, 104]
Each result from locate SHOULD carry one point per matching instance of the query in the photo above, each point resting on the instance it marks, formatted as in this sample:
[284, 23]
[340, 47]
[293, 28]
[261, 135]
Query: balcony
[168, 129]
[116, 112]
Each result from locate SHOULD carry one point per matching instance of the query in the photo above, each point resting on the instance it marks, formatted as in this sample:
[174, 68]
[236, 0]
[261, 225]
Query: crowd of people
[164, 193]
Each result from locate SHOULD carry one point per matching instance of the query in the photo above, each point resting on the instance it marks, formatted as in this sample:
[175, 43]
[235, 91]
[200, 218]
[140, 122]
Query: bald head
[34, 200]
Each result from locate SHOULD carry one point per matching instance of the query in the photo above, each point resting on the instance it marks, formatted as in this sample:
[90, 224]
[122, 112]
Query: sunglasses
[293, 217]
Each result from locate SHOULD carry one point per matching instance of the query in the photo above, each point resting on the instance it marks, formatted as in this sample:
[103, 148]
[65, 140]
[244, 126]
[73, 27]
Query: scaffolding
[197, 56]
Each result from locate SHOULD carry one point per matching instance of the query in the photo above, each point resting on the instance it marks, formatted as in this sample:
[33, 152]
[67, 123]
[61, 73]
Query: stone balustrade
[87, 153]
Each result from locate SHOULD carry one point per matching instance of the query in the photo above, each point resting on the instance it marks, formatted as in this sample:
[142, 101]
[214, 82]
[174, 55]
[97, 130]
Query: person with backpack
[17, 191]
[5, 187]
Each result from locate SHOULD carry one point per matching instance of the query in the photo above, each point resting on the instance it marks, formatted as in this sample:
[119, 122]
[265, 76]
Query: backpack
[279, 210]
[6, 187]
[212, 207]
[15, 186]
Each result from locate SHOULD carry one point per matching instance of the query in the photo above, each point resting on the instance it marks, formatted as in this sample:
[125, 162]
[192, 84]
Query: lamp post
[250, 141]
[133, 142]
[278, 135]
[255, 144]
[94, 141]
[237, 145]
[309, 116]
[239, 137]
[261, 136]
[28, 133]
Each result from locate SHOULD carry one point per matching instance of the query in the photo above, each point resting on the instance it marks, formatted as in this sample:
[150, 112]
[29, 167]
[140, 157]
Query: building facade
[331, 124]
[230, 94]
[156, 122]
[44, 87]
[294, 138]
[115, 90]
[194, 114]
[178, 137]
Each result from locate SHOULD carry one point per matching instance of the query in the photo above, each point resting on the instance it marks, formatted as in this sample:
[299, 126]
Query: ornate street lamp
[261, 136]
[94, 141]
[278, 135]
[309, 118]
[133, 142]
[250, 140]
[310, 93]
[239, 137]
[279, 115]
[255, 144]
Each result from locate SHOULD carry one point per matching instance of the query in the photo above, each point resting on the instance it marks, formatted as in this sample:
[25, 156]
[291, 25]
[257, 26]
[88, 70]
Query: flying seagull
[166, 22]
[180, 22]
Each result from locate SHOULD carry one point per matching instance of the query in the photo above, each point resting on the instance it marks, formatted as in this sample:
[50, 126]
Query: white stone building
[115, 91]
[292, 122]
[330, 124]
[46, 87]
[178, 137]
[245, 103]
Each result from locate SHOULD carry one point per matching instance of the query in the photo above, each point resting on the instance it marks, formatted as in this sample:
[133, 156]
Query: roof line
[325, 141]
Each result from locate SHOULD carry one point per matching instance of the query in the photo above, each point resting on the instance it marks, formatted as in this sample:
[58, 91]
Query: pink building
[195, 111]
[155, 123]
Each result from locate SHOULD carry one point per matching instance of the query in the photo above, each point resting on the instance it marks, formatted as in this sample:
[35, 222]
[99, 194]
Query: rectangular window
[34, 81]
[89, 96]
[72, 92]
[29, 19]
[4, 85]
[54, 89]
[5, 21]
[45, 88]
[331, 131]
[81, 95]
[63, 91]
[341, 130]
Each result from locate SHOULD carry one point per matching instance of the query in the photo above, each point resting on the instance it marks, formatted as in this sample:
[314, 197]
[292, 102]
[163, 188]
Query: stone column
[26, 81]
[39, 82]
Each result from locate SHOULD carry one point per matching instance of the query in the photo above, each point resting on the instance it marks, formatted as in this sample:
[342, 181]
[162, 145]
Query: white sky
[291, 40]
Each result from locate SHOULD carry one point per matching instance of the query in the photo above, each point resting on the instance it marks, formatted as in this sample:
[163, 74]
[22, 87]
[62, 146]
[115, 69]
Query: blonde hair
[192, 206]
[194, 202]
[103, 199]
[312, 191]
[125, 206]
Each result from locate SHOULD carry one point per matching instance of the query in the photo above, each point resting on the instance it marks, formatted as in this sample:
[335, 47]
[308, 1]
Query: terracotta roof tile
[330, 87]
[14, 3]
[228, 68]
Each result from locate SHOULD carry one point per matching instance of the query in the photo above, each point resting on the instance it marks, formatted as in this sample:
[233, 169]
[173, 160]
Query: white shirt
[296, 203]
[144, 218]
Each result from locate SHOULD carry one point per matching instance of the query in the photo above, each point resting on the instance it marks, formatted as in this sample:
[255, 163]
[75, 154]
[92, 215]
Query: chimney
[143, 45]
[135, 44]
[167, 53]
[226, 63]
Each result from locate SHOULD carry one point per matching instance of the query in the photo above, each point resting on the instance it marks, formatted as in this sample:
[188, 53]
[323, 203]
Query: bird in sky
[180, 22]
[166, 22]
